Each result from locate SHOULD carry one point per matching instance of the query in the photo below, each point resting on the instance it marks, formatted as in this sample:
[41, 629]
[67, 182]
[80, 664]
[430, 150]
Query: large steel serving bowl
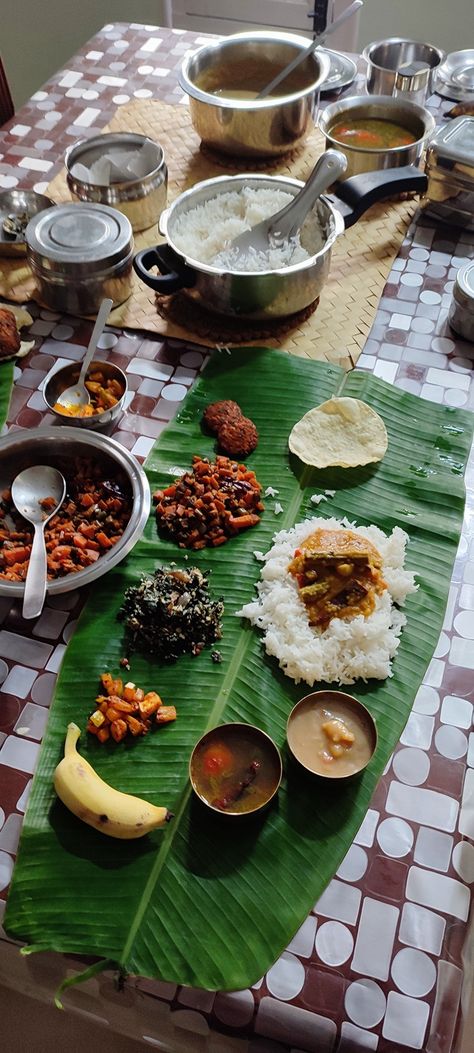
[245, 127]
[50, 445]
[410, 115]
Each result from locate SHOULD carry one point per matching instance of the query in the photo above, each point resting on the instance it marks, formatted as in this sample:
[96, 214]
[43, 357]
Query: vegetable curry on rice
[338, 574]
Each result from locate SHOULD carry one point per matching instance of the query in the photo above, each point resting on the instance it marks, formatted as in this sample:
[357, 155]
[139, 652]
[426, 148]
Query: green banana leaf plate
[205, 902]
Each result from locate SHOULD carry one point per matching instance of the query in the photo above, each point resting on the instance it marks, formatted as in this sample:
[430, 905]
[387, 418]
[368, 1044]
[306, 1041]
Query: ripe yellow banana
[98, 804]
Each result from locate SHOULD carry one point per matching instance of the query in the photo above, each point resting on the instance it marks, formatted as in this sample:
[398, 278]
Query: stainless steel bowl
[397, 65]
[51, 445]
[66, 376]
[18, 203]
[410, 115]
[245, 127]
[142, 198]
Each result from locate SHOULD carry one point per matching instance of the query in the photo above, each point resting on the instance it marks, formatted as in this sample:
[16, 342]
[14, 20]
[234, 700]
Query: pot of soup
[376, 132]
[224, 77]
[197, 257]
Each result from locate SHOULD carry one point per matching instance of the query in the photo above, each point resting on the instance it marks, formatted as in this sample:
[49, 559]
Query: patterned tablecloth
[379, 962]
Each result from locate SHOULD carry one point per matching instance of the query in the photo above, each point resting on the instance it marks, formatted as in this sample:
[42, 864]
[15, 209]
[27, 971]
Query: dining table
[385, 959]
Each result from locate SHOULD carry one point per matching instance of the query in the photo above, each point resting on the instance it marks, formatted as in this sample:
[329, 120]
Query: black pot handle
[355, 195]
[175, 273]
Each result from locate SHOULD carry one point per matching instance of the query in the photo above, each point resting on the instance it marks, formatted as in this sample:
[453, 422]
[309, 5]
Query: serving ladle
[302, 55]
[30, 490]
[285, 224]
[77, 394]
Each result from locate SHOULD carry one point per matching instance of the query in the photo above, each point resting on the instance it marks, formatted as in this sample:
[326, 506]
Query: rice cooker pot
[273, 294]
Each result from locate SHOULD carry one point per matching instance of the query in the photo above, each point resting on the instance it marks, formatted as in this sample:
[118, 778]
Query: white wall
[37, 37]
[449, 24]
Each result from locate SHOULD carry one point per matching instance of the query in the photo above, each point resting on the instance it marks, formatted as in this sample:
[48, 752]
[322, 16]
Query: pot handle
[175, 273]
[355, 195]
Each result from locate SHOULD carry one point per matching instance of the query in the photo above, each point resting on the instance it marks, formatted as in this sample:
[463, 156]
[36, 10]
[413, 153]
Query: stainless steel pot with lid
[80, 254]
[450, 171]
[260, 294]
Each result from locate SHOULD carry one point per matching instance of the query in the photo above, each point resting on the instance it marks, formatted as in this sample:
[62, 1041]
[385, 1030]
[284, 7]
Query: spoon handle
[302, 55]
[35, 584]
[102, 316]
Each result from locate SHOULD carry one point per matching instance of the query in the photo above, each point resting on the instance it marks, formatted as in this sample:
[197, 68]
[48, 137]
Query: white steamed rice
[205, 232]
[348, 649]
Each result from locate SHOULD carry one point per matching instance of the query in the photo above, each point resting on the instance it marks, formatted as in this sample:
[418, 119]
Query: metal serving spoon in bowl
[302, 55]
[285, 224]
[77, 394]
[33, 490]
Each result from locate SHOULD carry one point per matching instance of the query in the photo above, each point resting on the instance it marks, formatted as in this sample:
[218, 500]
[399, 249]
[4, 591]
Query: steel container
[141, 198]
[450, 171]
[19, 204]
[65, 376]
[461, 310]
[398, 67]
[247, 127]
[80, 254]
[410, 115]
[258, 294]
[57, 447]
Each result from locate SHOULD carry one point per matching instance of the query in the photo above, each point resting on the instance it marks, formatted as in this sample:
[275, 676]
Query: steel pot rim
[252, 105]
[207, 268]
[344, 106]
[96, 140]
[100, 444]
[366, 53]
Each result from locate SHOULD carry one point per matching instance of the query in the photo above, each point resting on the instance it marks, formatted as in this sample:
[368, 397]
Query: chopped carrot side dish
[125, 709]
[91, 519]
[210, 504]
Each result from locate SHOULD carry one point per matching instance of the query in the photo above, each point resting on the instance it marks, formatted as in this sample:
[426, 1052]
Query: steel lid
[464, 285]
[70, 236]
[452, 147]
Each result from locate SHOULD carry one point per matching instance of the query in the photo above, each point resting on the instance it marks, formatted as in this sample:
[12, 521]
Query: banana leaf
[6, 381]
[205, 902]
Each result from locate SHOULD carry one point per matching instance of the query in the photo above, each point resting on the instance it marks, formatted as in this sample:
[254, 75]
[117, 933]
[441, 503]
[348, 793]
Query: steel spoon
[77, 394]
[285, 224]
[29, 489]
[284, 73]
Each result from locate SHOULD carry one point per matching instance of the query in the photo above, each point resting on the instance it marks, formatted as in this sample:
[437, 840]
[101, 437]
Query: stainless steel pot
[266, 294]
[399, 66]
[410, 115]
[141, 198]
[80, 254]
[245, 127]
[55, 446]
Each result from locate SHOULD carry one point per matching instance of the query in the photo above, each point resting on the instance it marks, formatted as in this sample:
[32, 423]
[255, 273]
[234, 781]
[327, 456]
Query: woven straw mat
[361, 259]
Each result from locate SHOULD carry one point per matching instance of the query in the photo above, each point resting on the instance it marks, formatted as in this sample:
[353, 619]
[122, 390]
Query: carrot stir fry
[125, 709]
[210, 504]
[104, 393]
[91, 520]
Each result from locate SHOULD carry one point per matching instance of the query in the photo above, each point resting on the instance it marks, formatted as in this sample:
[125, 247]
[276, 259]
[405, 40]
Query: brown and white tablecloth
[380, 962]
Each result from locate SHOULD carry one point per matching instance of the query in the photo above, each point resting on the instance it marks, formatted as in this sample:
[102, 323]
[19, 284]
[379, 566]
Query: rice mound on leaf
[349, 649]
[343, 432]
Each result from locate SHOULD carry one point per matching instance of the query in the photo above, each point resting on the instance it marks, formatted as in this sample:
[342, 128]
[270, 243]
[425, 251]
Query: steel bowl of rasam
[376, 132]
[331, 734]
[235, 769]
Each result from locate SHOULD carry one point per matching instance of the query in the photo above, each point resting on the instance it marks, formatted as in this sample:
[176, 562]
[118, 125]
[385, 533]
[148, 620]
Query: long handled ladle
[33, 492]
[302, 55]
[284, 225]
[77, 394]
